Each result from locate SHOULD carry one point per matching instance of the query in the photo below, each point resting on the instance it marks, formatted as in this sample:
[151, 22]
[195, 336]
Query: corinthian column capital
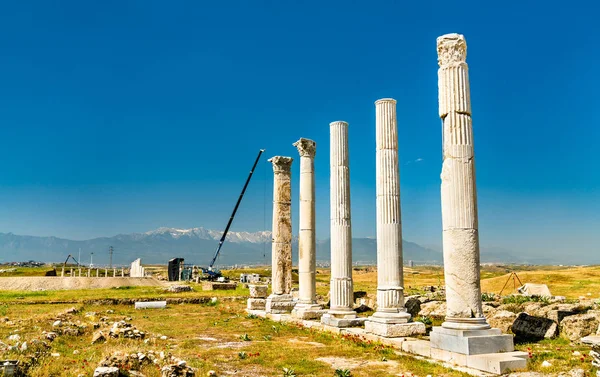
[306, 147]
[451, 49]
[281, 164]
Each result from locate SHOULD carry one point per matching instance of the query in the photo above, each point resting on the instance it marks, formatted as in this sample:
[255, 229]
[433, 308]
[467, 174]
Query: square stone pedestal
[256, 304]
[392, 329]
[279, 304]
[471, 342]
[308, 311]
[343, 320]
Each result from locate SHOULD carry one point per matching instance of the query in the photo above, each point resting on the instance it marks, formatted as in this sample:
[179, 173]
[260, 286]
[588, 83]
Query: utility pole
[110, 252]
[91, 259]
[79, 258]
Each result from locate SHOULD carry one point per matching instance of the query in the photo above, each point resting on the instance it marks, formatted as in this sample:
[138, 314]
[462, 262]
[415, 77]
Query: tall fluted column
[306, 307]
[341, 289]
[391, 318]
[465, 330]
[281, 254]
[459, 195]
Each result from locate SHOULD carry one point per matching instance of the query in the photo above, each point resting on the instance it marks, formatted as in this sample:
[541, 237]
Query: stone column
[62, 272]
[114, 272]
[465, 329]
[306, 307]
[341, 294]
[97, 272]
[80, 272]
[390, 319]
[280, 300]
[88, 273]
[122, 272]
[71, 274]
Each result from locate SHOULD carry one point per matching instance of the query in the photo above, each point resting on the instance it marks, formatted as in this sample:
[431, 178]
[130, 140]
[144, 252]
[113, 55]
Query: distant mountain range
[198, 246]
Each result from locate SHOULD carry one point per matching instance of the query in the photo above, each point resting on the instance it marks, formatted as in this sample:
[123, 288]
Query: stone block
[417, 347]
[214, 285]
[306, 312]
[471, 342]
[528, 327]
[258, 291]
[503, 320]
[449, 356]
[394, 330]
[279, 304]
[577, 326]
[498, 363]
[330, 320]
[256, 304]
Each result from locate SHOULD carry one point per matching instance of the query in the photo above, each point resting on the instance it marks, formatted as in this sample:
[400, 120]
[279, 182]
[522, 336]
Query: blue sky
[124, 116]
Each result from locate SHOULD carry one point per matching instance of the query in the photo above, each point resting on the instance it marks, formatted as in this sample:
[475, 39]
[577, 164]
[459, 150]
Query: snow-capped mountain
[196, 246]
[207, 234]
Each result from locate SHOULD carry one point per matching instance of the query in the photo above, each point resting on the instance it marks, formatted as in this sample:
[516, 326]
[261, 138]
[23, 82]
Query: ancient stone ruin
[465, 337]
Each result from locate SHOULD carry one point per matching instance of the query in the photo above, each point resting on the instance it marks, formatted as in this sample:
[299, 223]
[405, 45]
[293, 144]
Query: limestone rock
[502, 320]
[413, 306]
[433, 309]
[106, 372]
[526, 326]
[577, 326]
[98, 337]
[179, 369]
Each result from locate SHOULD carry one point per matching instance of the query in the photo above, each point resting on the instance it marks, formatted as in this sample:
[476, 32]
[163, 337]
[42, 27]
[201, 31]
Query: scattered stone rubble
[116, 364]
[122, 329]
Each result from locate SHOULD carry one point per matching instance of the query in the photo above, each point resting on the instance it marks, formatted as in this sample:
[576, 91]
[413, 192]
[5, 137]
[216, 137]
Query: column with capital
[306, 306]
[465, 329]
[280, 300]
[341, 313]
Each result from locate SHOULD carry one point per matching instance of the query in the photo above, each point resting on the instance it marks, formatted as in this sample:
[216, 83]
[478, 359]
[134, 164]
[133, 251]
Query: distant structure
[137, 270]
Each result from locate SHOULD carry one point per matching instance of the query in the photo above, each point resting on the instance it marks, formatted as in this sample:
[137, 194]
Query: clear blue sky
[124, 116]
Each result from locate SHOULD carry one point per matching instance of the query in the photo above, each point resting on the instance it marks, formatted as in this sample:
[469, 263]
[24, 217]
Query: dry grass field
[221, 337]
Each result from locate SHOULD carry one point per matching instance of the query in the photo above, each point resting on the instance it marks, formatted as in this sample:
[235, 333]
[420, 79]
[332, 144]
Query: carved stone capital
[451, 48]
[306, 147]
[281, 164]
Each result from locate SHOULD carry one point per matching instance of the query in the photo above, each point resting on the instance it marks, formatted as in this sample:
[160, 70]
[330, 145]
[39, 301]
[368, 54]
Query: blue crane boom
[212, 262]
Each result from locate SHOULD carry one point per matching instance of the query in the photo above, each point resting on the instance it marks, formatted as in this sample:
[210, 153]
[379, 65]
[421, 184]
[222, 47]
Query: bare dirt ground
[38, 283]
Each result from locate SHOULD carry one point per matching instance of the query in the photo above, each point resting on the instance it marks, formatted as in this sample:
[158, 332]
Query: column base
[256, 304]
[279, 304]
[394, 330]
[308, 311]
[471, 342]
[455, 323]
[340, 318]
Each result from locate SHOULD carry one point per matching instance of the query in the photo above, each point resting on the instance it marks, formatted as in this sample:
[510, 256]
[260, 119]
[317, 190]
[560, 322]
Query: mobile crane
[211, 273]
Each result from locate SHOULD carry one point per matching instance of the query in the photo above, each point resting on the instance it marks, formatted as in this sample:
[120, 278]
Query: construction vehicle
[210, 272]
[72, 257]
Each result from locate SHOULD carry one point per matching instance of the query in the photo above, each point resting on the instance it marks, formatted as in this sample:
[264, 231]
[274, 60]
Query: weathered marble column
[280, 300]
[62, 272]
[391, 318]
[465, 329]
[306, 307]
[341, 294]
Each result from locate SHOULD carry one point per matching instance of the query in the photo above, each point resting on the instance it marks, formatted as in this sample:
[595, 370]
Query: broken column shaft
[459, 196]
[465, 329]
